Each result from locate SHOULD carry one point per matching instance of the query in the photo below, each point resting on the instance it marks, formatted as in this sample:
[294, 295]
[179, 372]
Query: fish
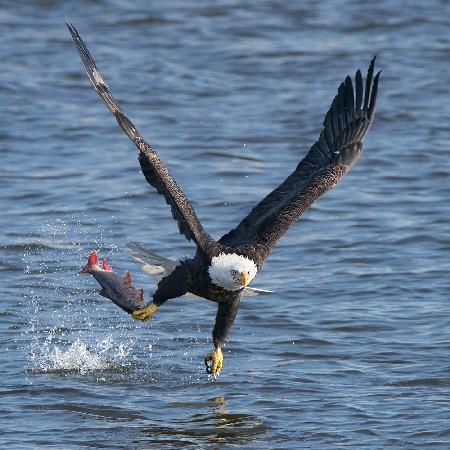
[115, 287]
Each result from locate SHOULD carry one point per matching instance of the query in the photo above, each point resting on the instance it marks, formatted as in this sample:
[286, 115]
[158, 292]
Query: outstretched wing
[153, 168]
[338, 147]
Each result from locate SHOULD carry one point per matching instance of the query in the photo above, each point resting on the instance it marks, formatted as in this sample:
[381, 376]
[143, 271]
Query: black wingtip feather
[349, 96]
[341, 97]
[359, 87]
[72, 29]
[373, 96]
[369, 82]
[353, 100]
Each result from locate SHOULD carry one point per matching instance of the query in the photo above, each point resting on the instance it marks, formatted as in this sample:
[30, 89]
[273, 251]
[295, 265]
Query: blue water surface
[352, 348]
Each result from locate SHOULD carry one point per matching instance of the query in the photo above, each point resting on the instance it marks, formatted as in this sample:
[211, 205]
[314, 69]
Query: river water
[352, 348]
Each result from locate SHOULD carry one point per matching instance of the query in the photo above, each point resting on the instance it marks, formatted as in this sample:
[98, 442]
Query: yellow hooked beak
[244, 279]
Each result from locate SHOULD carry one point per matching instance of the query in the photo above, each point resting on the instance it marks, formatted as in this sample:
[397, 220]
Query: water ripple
[350, 349]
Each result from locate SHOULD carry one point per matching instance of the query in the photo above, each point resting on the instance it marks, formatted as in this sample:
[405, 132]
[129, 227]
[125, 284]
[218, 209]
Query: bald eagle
[221, 270]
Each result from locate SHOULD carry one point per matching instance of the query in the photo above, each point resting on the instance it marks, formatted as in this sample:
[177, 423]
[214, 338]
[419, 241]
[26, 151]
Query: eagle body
[192, 276]
[221, 270]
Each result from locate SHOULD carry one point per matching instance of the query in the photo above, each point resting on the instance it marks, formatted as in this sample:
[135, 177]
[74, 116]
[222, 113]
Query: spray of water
[68, 330]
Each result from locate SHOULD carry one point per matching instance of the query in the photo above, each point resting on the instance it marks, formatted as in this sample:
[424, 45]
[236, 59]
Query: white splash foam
[50, 341]
[81, 358]
[76, 358]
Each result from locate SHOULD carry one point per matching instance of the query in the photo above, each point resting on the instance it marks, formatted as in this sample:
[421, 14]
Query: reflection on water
[216, 425]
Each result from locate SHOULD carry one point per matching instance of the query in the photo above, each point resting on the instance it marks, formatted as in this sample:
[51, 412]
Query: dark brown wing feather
[338, 147]
[152, 167]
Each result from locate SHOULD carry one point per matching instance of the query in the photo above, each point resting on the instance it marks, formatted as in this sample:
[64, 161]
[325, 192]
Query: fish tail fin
[91, 262]
[106, 266]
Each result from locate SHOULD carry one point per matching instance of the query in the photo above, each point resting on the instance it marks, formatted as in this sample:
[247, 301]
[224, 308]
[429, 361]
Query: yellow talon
[145, 313]
[213, 361]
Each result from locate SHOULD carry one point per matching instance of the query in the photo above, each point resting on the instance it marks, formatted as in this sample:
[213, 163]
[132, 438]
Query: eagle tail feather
[156, 265]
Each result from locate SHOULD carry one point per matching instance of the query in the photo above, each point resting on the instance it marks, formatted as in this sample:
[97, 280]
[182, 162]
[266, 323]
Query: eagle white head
[231, 271]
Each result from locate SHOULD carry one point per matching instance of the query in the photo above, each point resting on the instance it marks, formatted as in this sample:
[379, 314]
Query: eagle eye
[233, 272]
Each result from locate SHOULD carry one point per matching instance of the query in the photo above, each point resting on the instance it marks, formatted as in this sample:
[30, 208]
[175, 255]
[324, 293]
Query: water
[351, 351]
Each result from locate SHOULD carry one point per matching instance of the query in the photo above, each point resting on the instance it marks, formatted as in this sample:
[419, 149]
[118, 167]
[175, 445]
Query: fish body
[115, 287]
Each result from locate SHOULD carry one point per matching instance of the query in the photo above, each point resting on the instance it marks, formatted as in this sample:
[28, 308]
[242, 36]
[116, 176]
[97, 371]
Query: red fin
[127, 278]
[106, 266]
[92, 261]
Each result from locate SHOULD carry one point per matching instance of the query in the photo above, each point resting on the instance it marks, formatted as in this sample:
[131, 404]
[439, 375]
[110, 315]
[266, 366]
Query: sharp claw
[208, 362]
[213, 361]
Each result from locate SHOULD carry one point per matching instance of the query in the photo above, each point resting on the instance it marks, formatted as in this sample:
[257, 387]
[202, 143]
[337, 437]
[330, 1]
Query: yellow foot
[213, 361]
[145, 313]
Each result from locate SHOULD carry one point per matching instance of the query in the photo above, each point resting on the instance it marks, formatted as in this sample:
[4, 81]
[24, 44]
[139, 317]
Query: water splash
[76, 358]
[67, 328]
[81, 357]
